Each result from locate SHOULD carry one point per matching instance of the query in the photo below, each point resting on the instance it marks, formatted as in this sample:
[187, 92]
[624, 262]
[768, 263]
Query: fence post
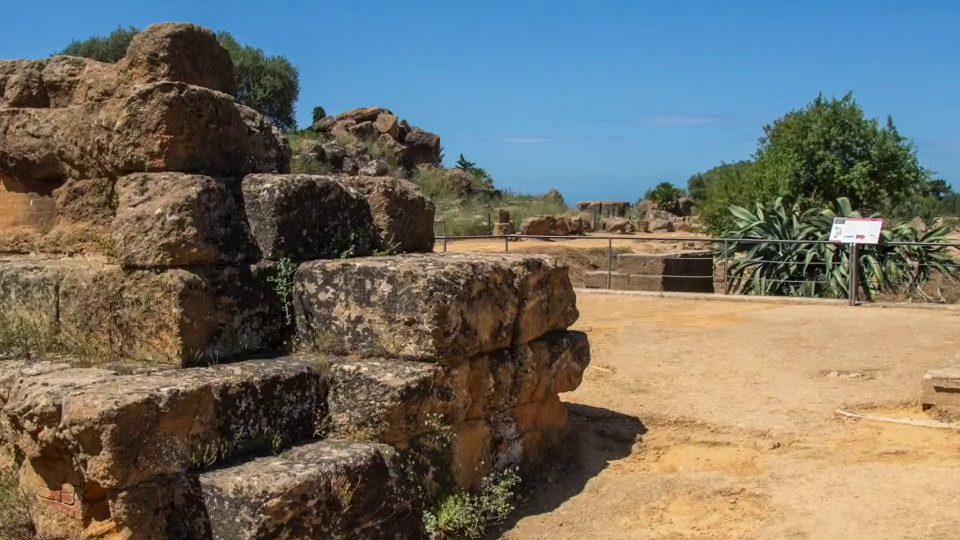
[854, 272]
[444, 236]
[609, 263]
[506, 244]
[726, 268]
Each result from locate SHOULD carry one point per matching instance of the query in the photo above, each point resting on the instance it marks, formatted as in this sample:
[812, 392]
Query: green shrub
[760, 266]
[465, 515]
[664, 195]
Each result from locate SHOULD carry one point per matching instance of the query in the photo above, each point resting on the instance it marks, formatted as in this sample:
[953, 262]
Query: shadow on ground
[597, 436]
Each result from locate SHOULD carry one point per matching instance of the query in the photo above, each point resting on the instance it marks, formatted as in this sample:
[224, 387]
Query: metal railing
[708, 255]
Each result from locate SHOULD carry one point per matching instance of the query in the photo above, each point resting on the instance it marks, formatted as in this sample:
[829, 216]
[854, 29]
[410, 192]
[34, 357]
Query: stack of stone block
[681, 271]
[503, 226]
[288, 360]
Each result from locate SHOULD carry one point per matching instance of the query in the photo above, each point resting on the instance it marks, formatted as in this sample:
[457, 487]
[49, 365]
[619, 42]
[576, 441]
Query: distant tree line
[815, 155]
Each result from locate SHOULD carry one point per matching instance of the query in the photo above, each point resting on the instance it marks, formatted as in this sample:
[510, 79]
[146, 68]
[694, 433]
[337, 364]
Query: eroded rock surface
[328, 489]
[435, 307]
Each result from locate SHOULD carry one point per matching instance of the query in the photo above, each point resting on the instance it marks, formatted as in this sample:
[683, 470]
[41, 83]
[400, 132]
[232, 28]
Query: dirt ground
[716, 420]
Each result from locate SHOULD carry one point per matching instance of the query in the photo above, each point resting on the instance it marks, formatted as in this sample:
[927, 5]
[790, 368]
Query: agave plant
[781, 252]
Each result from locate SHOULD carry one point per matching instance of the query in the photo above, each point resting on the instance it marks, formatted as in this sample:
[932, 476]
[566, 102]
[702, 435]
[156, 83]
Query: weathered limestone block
[21, 84]
[164, 508]
[178, 316]
[459, 421]
[162, 108]
[502, 229]
[328, 489]
[173, 126]
[528, 373]
[940, 388]
[402, 217]
[180, 52]
[432, 307]
[175, 219]
[116, 431]
[122, 446]
[394, 400]
[12, 371]
[306, 217]
[29, 288]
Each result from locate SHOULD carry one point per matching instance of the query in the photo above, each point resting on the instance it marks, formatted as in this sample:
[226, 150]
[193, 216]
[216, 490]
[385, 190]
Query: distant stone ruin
[600, 210]
[349, 136]
[681, 271]
[240, 352]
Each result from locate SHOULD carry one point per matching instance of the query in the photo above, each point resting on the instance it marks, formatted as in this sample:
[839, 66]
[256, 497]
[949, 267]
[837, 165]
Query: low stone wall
[687, 271]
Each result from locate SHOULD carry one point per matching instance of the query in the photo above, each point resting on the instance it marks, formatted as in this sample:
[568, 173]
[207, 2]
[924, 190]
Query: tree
[269, 84]
[464, 165]
[830, 150]
[103, 49]
[938, 188]
[664, 195]
[318, 114]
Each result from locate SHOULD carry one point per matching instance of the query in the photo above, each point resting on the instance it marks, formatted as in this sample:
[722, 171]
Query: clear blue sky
[600, 99]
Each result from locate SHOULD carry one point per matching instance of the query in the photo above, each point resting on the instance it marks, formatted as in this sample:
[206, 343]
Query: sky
[599, 99]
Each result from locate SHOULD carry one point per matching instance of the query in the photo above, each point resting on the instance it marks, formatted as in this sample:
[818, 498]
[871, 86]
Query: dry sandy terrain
[716, 420]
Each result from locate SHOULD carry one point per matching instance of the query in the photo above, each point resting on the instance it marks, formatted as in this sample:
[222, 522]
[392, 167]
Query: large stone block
[180, 52]
[329, 489]
[99, 435]
[173, 126]
[402, 216]
[394, 400]
[681, 263]
[306, 217]
[175, 219]
[116, 431]
[178, 316]
[941, 387]
[432, 307]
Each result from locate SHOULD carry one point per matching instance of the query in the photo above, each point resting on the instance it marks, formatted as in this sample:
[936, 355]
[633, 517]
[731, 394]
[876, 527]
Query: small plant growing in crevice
[283, 286]
[468, 515]
[16, 513]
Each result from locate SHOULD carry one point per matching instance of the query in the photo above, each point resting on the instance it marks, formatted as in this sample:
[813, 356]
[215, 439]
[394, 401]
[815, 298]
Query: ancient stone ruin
[681, 271]
[217, 349]
[600, 210]
[364, 141]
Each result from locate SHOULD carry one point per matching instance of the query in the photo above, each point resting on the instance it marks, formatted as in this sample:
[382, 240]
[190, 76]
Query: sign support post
[853, 232]
[854, 273]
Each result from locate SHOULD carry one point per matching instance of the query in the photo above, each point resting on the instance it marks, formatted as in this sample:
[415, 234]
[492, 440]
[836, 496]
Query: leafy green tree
[664, 195]
[938, 188]
[269, 84]
[103, 49]
[830, 150]
[318, 114]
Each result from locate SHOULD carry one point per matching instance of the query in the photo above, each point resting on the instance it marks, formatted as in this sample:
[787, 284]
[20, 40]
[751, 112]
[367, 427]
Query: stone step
[492, 410]
[327, 489]
[97, 435]
[177, 317]
[435, 308]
